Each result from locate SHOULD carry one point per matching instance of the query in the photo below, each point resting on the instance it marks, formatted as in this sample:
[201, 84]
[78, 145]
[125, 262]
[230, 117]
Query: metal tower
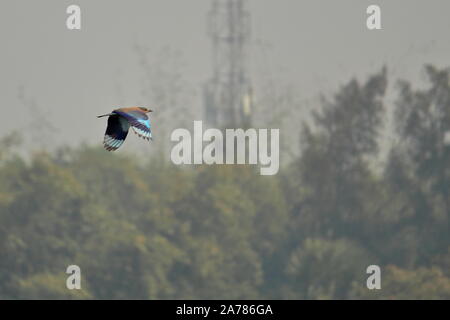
[228, 93]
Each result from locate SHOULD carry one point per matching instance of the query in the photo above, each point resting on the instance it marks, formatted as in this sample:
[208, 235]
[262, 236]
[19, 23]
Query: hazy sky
[314, 45]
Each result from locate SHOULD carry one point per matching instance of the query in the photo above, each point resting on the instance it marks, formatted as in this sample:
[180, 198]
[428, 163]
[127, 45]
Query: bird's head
[146, 110]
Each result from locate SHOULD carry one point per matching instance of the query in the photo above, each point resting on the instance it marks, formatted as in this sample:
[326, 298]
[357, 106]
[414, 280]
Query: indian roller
[120, 120]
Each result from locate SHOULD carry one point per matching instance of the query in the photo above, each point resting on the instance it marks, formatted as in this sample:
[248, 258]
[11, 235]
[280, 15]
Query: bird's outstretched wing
[138, 120]
[116, 132]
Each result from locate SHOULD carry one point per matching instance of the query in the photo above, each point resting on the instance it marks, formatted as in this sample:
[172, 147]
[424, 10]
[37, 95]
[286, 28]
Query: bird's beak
[150, 110]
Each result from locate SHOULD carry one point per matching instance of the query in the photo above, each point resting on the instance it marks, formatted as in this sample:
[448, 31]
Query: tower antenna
[228, 94]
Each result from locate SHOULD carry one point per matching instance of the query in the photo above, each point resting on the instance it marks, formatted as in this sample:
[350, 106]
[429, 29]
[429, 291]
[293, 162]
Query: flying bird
[120, 120]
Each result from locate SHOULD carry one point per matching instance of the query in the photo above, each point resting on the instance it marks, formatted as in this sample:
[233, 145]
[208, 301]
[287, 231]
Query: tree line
[146, 229]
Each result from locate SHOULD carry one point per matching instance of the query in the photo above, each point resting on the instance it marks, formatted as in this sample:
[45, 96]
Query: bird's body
[120, 121]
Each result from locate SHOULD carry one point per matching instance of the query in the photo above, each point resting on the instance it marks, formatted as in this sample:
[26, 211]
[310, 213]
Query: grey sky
[314, 45]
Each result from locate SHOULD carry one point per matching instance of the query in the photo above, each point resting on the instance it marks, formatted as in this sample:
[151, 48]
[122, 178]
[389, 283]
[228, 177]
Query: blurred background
[364, 119]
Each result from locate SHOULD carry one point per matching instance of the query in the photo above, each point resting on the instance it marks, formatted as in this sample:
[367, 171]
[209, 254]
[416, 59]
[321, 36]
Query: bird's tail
[105, 115]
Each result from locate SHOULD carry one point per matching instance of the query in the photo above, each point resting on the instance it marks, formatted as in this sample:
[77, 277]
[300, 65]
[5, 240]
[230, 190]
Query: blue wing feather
[116, 132]
[139, 122]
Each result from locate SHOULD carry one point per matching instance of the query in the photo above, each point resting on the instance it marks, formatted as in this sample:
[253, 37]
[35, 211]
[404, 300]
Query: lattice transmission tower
[228, 94]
